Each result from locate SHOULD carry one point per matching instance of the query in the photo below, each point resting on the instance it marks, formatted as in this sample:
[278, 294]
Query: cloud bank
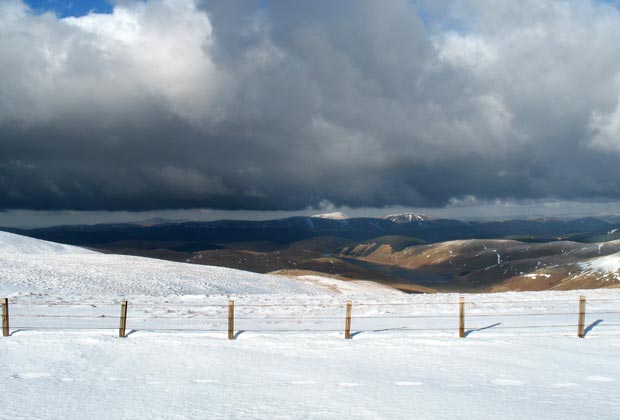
[280, 106]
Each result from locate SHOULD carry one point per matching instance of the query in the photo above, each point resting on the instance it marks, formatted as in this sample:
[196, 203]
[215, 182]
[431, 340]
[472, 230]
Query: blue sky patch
[64, 8]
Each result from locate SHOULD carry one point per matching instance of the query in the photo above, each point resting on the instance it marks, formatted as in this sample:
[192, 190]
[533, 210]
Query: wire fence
[462, 317]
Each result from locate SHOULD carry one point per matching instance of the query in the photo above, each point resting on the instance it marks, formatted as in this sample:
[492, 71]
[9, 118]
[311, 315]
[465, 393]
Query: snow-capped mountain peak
[335, 216]
[407, 217]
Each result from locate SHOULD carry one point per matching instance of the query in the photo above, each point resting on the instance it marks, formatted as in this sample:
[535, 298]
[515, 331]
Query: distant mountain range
[394, 249]
[287, 231]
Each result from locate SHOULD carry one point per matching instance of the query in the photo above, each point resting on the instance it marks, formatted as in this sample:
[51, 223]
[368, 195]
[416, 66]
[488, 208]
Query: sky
[255, 108]
[64, 8]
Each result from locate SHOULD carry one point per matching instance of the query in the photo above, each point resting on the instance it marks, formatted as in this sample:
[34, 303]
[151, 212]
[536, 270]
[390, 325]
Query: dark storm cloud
[284, 105]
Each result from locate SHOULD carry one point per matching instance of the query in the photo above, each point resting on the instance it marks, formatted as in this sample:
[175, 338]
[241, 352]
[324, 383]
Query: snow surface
[606, 264]
[408, 217]
[536, 275]
[338, 215]
[27, 263]
[265, 376]
[521, 358]
[18, 244]
[121, 275]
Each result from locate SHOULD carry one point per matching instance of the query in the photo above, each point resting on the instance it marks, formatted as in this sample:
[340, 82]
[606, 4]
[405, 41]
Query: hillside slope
[501, 265]
[64, 357]
[17, 244]
[35, 264]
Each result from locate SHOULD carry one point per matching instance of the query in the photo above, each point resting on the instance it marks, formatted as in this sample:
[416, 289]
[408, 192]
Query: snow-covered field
[521, 358]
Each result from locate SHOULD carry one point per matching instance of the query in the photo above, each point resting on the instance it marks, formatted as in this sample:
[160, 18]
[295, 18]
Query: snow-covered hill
[64, 359]
[32, 264]
[605, 268]
[18, 244]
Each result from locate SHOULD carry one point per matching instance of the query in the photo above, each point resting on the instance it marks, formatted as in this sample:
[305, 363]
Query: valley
[411, 253]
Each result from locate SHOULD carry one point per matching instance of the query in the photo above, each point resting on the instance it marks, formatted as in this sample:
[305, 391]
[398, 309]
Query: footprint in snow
[599, 379]
[506, 382]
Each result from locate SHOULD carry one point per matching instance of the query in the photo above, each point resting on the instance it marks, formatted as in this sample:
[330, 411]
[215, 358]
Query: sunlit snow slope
[64, 360]
[35, 264]
[18, 244]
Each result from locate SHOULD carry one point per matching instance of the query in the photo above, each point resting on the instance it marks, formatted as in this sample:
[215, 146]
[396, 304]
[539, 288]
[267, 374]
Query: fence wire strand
[209, 318]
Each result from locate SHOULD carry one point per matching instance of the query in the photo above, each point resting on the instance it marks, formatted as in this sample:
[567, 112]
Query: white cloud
[156, 48]
[467, 51]
[163, 46]
[355, 102]
[604, 130]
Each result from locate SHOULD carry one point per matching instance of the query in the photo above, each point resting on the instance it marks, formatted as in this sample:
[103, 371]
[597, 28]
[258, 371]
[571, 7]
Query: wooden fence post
[231, 319]
[347, 321]
[462, 317]
[123, 326]
[582, 317]
[5, 317]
